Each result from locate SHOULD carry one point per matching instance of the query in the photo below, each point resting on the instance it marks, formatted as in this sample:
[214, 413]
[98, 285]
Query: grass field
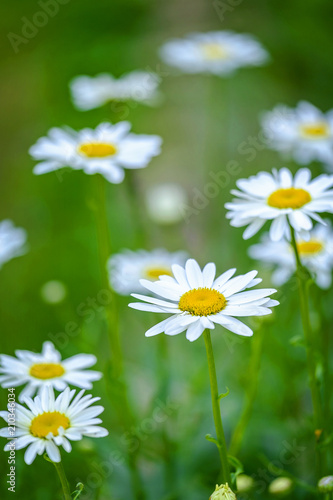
[208, 125]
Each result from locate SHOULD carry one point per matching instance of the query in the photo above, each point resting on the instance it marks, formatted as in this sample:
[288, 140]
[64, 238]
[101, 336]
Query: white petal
[209, 274]
[238, 283]
[223, 278]
[278, 227]
[243, 297]
[149, 307]
[53, 451]
[79, 361]
[32, 451]
[194, 274]
[232, 324]
[159, 328]
[253, 228]
[180, 275]
[194, 331]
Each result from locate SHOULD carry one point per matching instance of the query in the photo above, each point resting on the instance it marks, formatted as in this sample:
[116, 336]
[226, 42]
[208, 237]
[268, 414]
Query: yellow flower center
[46, 370]
[214, 51]
[202, 302]
[47, 422]
[311, 247]
[97, 149]
[153, 273]
[289, 198]
[315, 130]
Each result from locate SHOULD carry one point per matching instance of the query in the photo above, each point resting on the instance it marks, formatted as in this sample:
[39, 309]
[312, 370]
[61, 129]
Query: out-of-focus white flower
[325, 484]
[53, 292]
[304, 133]
[127, 268]
[106, 150]
[92, 92]
[244, 483]
[12, 241]
[217, 52]
[196, 300]
[280, 486]
[316, 255]
[281, 198]
[165, 202]
[47, 368]
[47, 423]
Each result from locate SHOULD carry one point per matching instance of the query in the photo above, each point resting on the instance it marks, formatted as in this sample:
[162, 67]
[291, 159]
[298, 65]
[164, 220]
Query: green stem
[117, 381]
[253, 374]
[221, 444]
[136, 209]
[63, 479]
[168, 446]
[104, 254]
[302, 278]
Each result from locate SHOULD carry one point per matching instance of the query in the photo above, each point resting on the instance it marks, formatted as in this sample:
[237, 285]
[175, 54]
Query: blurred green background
[202, 120]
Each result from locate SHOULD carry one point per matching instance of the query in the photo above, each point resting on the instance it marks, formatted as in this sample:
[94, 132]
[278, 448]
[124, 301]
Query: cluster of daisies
[45, 422]
[195, 299]
[289, 204]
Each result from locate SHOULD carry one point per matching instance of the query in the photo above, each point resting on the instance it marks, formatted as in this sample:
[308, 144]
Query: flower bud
[223, 492]
[53, 292]
[280, 486]
[244, 483]
[325, 484]
[165, 202]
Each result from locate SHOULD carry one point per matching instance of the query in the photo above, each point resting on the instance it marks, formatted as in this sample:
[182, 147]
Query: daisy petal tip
[148, 334]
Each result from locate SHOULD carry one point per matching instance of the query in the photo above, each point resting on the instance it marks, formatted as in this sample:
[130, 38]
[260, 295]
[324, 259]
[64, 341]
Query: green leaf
[224, 394]
[297, 340]
[210, 438]
[236, 464]
[78, 491]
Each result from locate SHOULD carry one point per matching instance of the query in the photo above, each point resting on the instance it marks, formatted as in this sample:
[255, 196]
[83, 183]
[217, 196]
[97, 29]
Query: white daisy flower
[316, 255]
[46, 368]
[217, 52]
[304, 133]
[198, 301]
[12, 241]
[92, 92]
[47, 423]
[127, 268]
[106, 150]
[282, 199]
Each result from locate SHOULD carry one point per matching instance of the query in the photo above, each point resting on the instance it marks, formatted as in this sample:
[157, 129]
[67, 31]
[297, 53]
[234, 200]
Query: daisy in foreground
[12, 241]
[217, 52]
[106, 150]
[46, 423]
[316, 255]
[127, 268]
[305, 133]
[283, 199]
[47, 368]
[93, 92]
[198, 301]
